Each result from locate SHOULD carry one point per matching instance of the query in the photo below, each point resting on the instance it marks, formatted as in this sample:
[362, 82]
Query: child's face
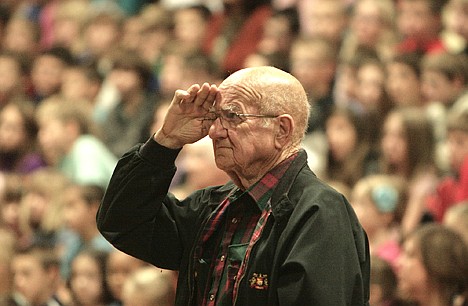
[341, 136]
[46, 75]
[12, 131]
[416, 20]
[366, 23]
[403, 85]
[412, 275]
[119, 267]
[276, 36]
[19, 37]
[458, 17]
[393, 142]
[66, 31]
[346, 83]
[200, 166]
[371, 81]
[189, 27]
[37, 205]
[53, 139]
[78, 215]
[126, 81]
[322, 19]
[436, 87]
[458, 148]
[10, 75]
[75, 85]
[10, 214]
[31, 280]
[86, 280]
[101, 37]
[366, 211]
[131, 36]
[309, 66]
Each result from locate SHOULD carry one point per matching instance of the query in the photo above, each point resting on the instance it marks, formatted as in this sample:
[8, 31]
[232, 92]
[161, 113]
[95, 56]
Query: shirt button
[222, 258]
[234, 220]
[235, 277]
[211, 297]
[195, 274]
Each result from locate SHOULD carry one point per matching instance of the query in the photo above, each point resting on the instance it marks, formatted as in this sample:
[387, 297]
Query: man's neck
[248, 179]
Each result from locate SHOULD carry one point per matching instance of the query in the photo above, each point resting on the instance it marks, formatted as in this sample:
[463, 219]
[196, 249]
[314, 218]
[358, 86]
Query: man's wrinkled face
[244, 147]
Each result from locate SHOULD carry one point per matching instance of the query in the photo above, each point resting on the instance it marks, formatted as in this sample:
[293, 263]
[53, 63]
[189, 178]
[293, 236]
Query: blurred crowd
[82, 81]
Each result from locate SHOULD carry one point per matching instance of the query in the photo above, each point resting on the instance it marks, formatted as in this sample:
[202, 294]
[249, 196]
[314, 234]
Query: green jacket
[312, 251]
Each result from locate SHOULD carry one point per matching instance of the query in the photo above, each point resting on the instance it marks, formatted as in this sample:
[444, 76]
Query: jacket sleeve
[327, 262]
[138, 216]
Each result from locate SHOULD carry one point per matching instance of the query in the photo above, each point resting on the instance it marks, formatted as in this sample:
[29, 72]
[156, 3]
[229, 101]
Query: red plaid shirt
[224, 249]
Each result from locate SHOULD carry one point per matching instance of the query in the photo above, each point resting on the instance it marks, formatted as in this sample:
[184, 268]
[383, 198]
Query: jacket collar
[280, 203]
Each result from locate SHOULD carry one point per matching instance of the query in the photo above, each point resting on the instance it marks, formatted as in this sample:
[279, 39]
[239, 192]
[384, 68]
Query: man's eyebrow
[231, 107]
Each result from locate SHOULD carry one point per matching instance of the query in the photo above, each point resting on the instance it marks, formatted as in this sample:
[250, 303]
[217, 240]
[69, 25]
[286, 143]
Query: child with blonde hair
[379, 202]
[149, 286]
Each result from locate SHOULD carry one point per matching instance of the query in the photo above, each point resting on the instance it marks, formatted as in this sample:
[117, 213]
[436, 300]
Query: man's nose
[217, 130]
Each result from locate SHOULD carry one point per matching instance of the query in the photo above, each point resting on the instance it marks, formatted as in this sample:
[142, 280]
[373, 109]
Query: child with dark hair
[444, 77]
[82, 82]
[420, 23]
[351, 154]
[19, 152]
[433, 269]
[36, 277]
[279, 31]
[234, 32]
[444, 80]
[81, 203]
[47, 71]
[190, 24]
[87, 283]
[13, 77]
[128, 120]
[383, 283]
[403, 81]
[413, 160]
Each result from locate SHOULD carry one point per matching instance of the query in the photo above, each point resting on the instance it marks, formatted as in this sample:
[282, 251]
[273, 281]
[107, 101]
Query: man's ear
[284, 130]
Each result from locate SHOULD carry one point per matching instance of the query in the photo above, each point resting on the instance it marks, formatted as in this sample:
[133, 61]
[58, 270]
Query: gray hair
[275, 92]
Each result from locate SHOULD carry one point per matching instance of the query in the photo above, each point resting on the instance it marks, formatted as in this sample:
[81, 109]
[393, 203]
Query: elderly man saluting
[273, 235]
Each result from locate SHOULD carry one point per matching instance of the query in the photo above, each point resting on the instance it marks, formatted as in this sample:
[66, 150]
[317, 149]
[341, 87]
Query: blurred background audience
[82, 81]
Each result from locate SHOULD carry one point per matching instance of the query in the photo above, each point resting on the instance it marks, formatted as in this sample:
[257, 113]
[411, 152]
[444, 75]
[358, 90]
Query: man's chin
[224, 162]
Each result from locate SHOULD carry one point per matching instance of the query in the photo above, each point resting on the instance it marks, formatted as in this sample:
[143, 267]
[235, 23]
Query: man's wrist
[166, 141]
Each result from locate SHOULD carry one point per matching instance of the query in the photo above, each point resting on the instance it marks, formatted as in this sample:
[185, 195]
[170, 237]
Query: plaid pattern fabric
[233, 229]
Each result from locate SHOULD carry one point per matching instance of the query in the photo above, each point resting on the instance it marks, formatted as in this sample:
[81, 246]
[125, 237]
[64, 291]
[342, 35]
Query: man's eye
[230, 115]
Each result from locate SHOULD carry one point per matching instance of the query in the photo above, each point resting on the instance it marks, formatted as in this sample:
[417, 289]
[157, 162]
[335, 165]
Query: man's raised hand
[184, 122]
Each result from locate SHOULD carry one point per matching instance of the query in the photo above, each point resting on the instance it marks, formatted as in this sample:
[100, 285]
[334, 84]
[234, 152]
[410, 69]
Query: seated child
[453, 189]
[379, 202]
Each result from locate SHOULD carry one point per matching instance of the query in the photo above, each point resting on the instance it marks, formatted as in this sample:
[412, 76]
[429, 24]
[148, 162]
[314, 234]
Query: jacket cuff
[157, 154]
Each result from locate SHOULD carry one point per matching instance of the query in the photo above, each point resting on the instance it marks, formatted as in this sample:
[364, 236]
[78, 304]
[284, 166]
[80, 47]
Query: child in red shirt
[453, 189]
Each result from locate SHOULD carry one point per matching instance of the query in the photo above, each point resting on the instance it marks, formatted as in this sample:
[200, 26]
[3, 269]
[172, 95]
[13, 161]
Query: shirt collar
[263, 189]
